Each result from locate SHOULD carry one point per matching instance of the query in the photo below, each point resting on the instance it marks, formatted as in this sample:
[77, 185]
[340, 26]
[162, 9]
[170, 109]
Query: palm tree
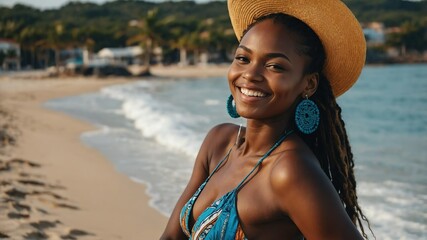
[148, 35]
[182, 45]
[81, 38]
[224, 42]
[28, 38]
[190, 36]
[55, 40]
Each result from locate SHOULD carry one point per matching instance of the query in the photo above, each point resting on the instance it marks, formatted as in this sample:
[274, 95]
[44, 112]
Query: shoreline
[101, 201]
[95, 200]
[171, 72]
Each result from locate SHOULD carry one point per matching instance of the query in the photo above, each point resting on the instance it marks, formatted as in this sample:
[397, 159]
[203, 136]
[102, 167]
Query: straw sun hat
[338, 30]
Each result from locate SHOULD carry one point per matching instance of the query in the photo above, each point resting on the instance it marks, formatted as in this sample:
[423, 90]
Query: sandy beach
[55, 187]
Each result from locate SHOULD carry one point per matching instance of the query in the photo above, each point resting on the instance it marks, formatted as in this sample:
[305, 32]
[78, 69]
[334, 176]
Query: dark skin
[289, 196]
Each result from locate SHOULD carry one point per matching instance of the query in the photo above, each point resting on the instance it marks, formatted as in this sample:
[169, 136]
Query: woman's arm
[215, 142]
[303, 192]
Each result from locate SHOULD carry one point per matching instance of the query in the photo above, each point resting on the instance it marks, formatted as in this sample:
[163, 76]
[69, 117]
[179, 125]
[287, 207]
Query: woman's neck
[260, 135]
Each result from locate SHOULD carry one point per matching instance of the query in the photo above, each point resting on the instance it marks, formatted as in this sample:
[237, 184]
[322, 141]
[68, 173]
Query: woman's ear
[312, 83]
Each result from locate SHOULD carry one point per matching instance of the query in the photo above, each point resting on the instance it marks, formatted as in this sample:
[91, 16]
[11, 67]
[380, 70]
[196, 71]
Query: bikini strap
[264, 157]
[238, 135]
[227, 155]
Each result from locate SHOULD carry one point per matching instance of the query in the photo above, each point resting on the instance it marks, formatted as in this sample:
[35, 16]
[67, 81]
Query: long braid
[333, 150]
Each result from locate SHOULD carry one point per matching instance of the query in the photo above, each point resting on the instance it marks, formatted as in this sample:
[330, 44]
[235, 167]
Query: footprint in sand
[26, 196]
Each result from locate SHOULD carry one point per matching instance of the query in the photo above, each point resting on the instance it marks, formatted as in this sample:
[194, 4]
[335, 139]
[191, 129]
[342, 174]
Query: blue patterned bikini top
[220, 221]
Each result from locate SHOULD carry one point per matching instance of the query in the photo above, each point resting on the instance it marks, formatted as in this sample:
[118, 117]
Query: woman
[289, 173]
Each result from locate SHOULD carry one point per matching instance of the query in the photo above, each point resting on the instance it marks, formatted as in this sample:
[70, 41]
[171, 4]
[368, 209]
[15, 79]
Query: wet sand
[55, 187]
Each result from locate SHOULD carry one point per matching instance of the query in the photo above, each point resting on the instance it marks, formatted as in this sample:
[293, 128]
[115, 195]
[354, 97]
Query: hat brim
[336, 26]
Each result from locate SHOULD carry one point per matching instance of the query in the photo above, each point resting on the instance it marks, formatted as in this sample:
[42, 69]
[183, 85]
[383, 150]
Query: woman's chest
[255, 205]
[252, 198]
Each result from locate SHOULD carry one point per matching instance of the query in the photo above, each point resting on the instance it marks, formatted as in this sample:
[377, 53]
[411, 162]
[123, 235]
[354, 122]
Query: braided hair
[330, 142]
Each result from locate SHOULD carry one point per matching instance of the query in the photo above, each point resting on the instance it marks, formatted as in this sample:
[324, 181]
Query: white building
[10, 54]
[121, 56]
[124, 56]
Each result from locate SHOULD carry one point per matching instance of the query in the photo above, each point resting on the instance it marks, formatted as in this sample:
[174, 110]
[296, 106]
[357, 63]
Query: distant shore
[52, 184]
[172, 71]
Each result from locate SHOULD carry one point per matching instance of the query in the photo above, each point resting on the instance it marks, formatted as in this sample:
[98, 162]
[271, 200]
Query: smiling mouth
[252, 93]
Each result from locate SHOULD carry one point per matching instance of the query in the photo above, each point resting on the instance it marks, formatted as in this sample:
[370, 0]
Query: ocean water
[151, 131]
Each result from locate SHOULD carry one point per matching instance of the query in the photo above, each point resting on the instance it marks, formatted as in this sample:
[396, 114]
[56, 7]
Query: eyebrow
[269, 55]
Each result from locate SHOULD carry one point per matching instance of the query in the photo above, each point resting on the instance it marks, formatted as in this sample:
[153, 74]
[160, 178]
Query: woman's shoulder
[219, 140]
[295, 165]
[223, 134]
[297, 180]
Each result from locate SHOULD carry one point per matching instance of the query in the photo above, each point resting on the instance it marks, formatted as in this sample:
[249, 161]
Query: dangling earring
[307, 116]
[232, 109]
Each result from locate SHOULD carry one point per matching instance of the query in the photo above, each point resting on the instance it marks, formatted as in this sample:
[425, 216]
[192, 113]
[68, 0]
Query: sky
[48, 4]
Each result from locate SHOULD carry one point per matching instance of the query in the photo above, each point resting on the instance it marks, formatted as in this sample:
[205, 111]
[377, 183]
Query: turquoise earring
[307, 116]
[231, 109]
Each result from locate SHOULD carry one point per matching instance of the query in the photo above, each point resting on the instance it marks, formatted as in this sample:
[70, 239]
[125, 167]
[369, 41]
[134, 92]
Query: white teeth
[252, 93]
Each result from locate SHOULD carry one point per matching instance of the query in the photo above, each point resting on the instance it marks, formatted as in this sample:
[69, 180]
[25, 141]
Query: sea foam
[161, 121]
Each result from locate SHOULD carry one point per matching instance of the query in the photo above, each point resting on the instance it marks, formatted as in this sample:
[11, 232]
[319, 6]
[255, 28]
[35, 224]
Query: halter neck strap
[278, 142]
[227, 155]
[275, 145]
[238, 135]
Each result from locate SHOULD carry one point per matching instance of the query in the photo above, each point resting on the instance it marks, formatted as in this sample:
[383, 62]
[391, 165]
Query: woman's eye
[241, 59]
[275, 67]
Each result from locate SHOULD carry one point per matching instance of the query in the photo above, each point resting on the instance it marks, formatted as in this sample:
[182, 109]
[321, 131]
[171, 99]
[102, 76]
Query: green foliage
[413, 36]
[178, 24]
[390, 12]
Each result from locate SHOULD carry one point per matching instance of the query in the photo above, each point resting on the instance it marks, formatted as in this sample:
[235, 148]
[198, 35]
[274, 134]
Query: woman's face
[267, 74]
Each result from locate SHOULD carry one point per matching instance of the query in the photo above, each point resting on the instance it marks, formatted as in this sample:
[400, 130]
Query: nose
[253, 73]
